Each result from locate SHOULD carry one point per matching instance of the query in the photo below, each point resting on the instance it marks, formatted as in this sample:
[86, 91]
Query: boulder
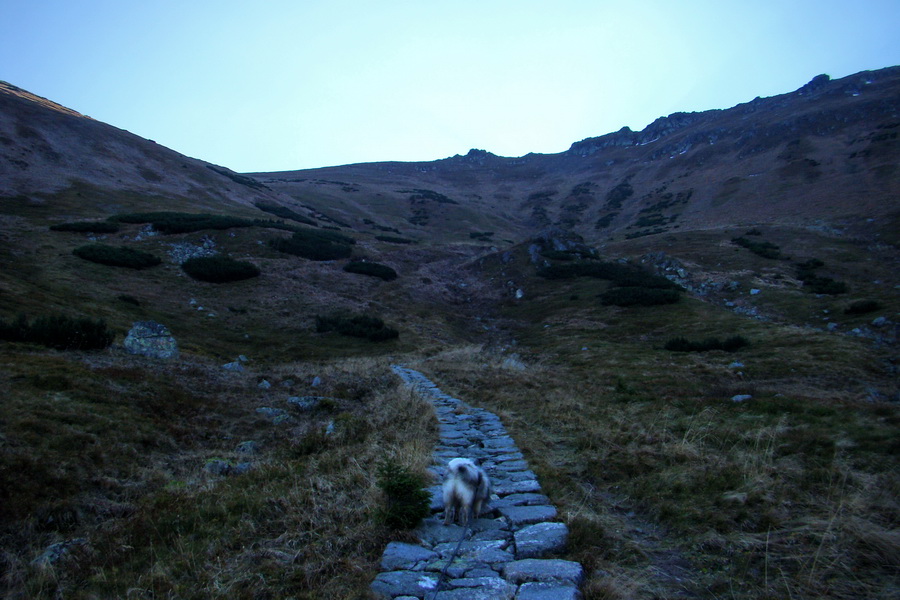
[152, 339]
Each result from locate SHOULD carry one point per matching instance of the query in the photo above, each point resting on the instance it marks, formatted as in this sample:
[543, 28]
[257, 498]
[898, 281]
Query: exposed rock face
[149, 338]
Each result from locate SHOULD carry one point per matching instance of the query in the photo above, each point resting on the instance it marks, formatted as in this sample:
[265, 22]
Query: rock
[217, 467]
[55, 552]
[149, 338]
[235, 366]
[277, 415]
[736, 365]
[741, 397]
[547, 591]
[316, 382]
[879, 322]
[241, 468]
[248, 447]
[405, 557]
[540, 539]
[243, 358]
[305, 403]
[513, 363]
[754, 292]
[735, 497]
[543, 570]
[264, 385]
[525, 515]
[391, 584]
[478, 588]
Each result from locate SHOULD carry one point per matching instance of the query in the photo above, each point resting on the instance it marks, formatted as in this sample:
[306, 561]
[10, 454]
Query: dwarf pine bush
[371, 269]
[362, 326]
[861, 307]
[638, 296]
[87, 227]
[117, 256]
[681, 344]
[219, 269]
[406, 500]
[58, 331]
[315, 245]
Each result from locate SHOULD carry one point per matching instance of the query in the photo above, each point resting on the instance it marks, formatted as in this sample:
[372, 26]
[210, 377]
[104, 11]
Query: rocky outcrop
[149, 338]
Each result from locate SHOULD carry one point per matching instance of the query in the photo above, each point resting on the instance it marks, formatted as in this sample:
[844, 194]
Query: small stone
[235, 366]
[754, 292]
[316, 382]
[217, 467]
[547, 591]
[879, 322]
[540, 539]
[525, 515]
[243, 358]
[248, 447]
[401, 556]
[741, 397]
[543, 570]
[403, 583]
[264, 385]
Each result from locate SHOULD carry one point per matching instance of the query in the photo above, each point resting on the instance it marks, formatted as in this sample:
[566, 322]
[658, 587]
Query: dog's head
[463, 467]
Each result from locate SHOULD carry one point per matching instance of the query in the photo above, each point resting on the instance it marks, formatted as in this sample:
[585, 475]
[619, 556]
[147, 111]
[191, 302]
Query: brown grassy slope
[112, 451]
[818, 157]
[671, 489]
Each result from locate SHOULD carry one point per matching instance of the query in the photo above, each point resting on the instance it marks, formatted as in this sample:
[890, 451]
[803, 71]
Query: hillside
[691, 331]
[821, 157]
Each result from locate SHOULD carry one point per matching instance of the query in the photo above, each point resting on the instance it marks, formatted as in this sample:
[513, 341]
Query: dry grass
[669, 492]
[112, 449]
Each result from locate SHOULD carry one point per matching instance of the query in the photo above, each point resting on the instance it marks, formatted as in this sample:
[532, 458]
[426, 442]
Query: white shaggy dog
[466, 489]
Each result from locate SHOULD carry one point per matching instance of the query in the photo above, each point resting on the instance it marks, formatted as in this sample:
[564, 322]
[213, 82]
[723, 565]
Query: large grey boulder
[149, 338]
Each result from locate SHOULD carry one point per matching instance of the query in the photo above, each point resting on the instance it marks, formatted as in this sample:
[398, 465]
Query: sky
[276, 85]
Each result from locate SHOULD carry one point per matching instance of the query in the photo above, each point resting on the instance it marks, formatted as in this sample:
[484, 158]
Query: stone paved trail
[501, 557]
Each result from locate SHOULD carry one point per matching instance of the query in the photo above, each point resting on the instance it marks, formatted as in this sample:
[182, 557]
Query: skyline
[291, 85]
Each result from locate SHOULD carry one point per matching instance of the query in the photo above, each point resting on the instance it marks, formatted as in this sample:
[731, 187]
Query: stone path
[501, 557]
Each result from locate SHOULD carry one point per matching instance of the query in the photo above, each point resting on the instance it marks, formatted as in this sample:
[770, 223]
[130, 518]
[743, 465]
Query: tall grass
[117, 447]
[660, 474]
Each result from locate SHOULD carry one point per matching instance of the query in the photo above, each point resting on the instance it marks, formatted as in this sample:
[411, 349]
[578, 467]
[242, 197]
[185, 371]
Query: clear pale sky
[279, 85]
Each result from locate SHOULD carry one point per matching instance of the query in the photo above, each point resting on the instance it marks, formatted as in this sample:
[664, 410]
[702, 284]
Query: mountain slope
[823, 156]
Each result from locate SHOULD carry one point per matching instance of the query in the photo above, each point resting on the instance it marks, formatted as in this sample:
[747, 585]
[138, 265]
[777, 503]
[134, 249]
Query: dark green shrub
[564, 255]
[371, 269]
[407, 501]
[394, 240]
[175, 222]
[419, 195]
[638, 296]
[219, 269]
[482, 236]
[764, 249]
[681, 344]
[861, 307]
[825, 285]
[117, 256]
[59, 332]
[806, 272]
[620, 274]
[284, 213]
[315, 244]
[87, 227]
[362, 326]
[129, 299]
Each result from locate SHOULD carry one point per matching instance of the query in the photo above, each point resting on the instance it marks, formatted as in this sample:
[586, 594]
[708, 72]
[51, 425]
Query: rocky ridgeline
[501, 556]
